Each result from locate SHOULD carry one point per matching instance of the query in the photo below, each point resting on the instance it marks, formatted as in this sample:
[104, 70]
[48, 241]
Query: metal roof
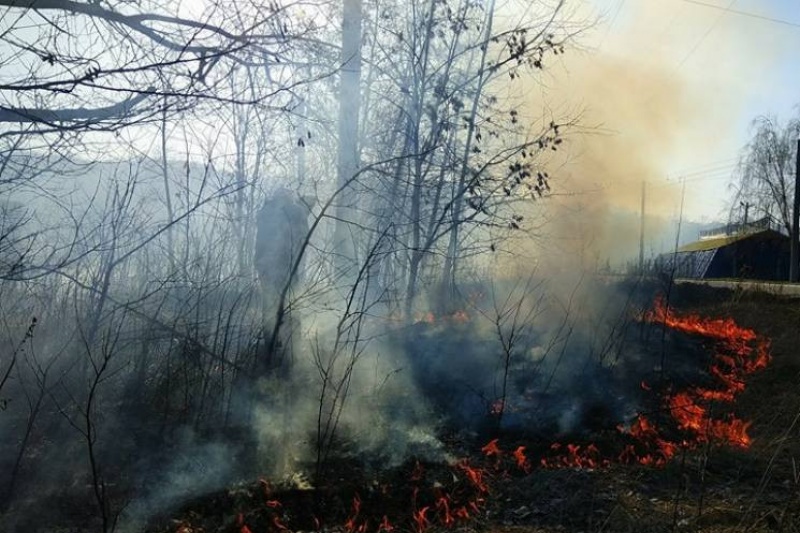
[719, 242]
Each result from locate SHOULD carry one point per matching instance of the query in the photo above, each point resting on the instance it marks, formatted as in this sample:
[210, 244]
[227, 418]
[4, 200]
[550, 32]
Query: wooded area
[158, 306]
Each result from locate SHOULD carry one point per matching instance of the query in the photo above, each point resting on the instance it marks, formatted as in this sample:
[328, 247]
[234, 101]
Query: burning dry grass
[692, 463]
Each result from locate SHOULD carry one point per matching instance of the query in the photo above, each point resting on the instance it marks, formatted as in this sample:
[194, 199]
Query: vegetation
[137, 144]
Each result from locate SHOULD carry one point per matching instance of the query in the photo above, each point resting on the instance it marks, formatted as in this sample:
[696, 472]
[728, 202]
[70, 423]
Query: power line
[744, 13]
[620, 5]
[707, 33]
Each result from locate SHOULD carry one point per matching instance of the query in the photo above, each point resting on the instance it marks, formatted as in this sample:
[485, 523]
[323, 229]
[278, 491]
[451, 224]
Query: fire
[575, 456]
[688, 418]
[443, 506]
[734, 338]
[491, 448]
[687, 413]
[738, 352]
[475, 475]
[385, 525]
[460, 316]
[457, 317]
[240, 523]
[521, 459]
[351, 524]
[421, 519]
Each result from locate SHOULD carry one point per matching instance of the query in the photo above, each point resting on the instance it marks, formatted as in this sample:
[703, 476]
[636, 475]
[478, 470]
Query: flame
[734, 338]
[242, 526]
[491, 448]
[457, 317]
[738, 352]
[421, 519]
[475, 475]
[575, 456]
[443, 506]
[521, 459]
[351, 524]
[385, 525]
[428, 318]
[690, 417]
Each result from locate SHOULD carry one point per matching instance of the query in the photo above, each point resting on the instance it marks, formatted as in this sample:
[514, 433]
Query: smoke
[342, 398]
[652, 99]
[196, 468]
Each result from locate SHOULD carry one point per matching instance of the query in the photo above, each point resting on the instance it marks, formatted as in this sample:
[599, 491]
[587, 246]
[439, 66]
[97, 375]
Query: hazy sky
[697, 75]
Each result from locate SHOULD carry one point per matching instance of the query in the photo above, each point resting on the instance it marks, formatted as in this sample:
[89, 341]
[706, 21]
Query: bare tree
[150, 50]
[349, 110]
[766, 174]
[469, 156]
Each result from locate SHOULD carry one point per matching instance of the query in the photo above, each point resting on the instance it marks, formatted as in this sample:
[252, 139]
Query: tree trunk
[167, 193]
[451, 259]
[349, 110]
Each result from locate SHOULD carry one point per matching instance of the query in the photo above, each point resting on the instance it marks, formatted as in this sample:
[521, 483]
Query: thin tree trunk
[451, 259]
[349, 111]
[167, 193]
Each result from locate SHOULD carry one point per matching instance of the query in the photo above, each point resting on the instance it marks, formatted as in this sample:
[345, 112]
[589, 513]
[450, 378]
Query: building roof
[719, 242]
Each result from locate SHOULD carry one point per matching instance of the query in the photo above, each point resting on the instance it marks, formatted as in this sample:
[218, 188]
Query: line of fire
[680, 412]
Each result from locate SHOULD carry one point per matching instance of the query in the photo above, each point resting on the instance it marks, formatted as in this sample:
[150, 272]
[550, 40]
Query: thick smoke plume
[644, 117]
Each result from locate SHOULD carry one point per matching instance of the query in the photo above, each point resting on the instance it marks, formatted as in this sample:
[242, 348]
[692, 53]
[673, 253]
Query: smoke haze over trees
[139, 143]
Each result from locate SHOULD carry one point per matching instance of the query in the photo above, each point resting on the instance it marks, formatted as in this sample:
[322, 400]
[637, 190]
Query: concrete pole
[794, 253]
[641, 232]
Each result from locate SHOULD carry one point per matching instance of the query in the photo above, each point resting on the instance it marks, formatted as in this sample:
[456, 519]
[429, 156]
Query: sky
[680, 83]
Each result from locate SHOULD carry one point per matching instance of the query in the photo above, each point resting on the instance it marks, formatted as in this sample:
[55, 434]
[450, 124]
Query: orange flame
[521, 459]
[491, 448]
[443, 506]
[421, 519]
[475, 475]
[350, 524]
[738, 352]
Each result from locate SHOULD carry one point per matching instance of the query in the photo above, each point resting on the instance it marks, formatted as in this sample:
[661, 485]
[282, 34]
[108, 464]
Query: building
[753, 251]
